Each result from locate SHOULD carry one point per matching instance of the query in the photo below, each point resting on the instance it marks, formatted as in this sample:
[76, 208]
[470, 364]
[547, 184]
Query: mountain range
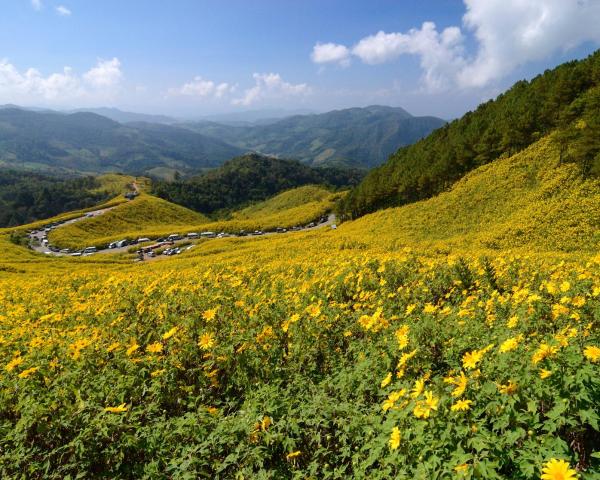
[355, 137]
[90, 142]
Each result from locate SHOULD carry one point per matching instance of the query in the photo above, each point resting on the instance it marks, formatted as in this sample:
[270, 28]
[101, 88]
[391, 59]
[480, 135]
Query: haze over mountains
[156, 145]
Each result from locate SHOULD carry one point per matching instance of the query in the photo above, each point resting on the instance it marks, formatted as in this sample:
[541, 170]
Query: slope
[128, 220]
[530, 201]
[516, 119]
[356, 137]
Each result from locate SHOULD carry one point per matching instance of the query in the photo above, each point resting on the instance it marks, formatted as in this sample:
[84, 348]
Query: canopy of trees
[247, 179]
[566, 98]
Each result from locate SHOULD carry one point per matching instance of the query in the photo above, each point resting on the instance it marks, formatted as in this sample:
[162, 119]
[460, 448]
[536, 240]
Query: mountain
[249, 178]
[250, 117]
[566, 99]
[87, 142]
[127, 117]
[356, 137]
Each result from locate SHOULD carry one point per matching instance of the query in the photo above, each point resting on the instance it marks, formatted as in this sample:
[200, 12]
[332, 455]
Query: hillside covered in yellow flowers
[452, 338]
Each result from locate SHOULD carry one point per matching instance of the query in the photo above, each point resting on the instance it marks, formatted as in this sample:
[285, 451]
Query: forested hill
[250, 178]
[566, 98]
[86, 142]
[355, 137]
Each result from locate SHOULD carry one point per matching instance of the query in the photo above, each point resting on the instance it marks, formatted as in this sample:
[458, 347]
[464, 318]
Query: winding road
[37, 237]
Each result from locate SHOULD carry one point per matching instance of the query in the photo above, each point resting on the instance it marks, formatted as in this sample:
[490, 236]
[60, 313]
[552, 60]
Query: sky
[189, 58]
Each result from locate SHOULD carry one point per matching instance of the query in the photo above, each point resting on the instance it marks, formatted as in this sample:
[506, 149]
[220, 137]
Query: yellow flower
[509, 388]
[293, 319]
[154, 347]
[157, 373]
[386, 381]
[266, 422]
[120, 409]
[15, 362]
[509, 345]
[424, 407]
[592, 353]
[544, 351]
[471, 359]
[113, 346]
[206, 341]
[418, 388]
[313, 310]
[131, 350]
[462, 468]
[461, 385]
[461, 406]
[212, 410]
[29, 371]
[402, 336]
[512, 321]
[557, 470]
[565, 286]
[170, 333]
[545, 373]
[293, 455]
[394, 438]
[210, 314]
[392, 399]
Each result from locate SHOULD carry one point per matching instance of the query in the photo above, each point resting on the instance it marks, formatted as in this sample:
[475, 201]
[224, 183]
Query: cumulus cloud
[63, 11]
[511, 33]
[36, 4]
[31, 87]
[200, 87]
[508, 34]
[106, 73]
[270, 86]
[440, 53]
[331, 53]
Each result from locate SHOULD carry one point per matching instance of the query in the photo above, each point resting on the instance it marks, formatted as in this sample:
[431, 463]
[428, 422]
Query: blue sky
[197, 57]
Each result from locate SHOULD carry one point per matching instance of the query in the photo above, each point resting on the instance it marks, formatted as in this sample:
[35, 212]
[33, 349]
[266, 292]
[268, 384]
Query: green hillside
[516, 119]
[249, 178]
[355, 137]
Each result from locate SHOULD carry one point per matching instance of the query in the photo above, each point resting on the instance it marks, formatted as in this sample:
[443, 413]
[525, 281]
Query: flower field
[410, 343]
[362, 366]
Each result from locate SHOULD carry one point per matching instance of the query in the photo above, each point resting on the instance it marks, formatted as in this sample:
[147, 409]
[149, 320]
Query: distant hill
[356, 137]
[87, 142]
[247, 179]
[565, 99]
[127, 117]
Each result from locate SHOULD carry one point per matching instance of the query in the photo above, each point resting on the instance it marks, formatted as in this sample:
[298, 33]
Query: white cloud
[440, 53]
[270, 86]
[31, 87]
[200, 87]
[331, 53]
[36, 4]
[509, 33]
[107, 73]
[63, 11]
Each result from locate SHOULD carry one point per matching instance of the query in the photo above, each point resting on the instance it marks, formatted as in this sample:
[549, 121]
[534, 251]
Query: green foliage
[504, 126]
[248, 179]
[26, 197]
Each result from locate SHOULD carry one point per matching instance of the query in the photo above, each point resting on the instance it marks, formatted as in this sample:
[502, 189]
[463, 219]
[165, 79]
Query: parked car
[89, 250]
[193, 235]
